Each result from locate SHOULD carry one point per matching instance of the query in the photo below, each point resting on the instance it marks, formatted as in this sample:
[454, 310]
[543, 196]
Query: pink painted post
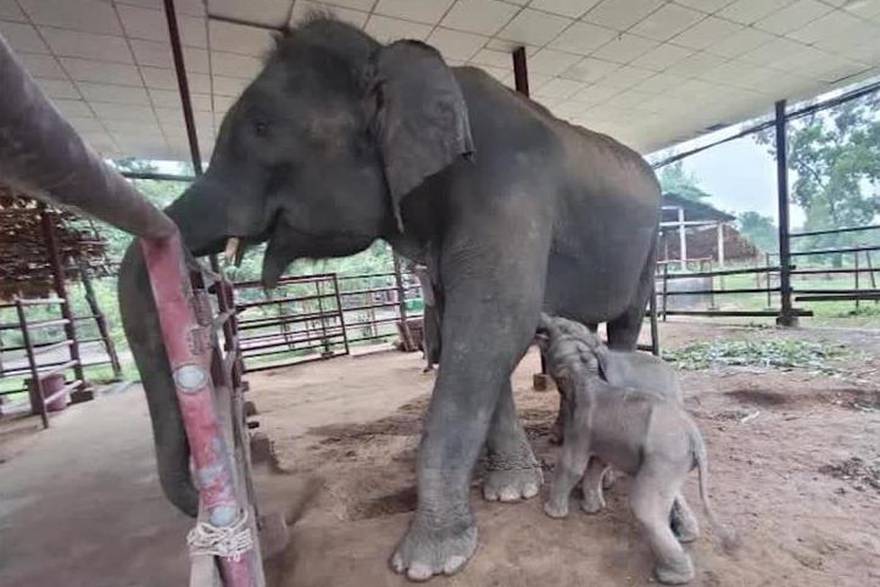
[189, 351]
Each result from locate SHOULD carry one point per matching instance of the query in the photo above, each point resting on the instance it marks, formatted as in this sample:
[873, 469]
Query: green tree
[759, 229]
[675, 179]
[835, 155]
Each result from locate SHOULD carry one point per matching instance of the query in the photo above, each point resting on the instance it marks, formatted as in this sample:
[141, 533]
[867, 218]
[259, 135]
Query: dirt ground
[795, 470]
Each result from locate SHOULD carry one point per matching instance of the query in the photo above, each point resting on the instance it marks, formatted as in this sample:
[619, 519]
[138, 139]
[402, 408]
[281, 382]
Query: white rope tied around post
[227, 541]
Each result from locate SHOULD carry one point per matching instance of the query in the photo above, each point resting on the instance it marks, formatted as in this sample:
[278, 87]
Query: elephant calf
[642, 433]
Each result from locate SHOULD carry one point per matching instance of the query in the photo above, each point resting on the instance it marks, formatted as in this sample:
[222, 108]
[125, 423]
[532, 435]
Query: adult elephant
[340, 141]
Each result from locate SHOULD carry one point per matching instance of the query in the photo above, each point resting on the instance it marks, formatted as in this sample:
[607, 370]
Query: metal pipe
[42, 155]
[834, 230]
[183, 87]
[521, 71]
[786, 316]
[190, 358]
[149, 175]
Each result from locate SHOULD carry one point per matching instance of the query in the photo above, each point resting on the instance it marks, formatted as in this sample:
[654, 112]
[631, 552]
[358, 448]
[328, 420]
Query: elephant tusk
[233, 250]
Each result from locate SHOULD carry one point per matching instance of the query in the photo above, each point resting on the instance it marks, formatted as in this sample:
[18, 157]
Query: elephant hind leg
[651, 497]
[623, 331]
[512, 471]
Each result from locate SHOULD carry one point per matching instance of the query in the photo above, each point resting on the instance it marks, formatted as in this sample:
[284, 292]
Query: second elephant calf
[642, 433]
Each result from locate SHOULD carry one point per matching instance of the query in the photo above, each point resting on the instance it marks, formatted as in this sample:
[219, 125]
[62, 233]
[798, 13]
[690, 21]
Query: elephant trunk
[202, 228]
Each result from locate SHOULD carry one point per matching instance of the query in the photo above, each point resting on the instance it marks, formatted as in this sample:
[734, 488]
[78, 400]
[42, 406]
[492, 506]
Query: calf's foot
[556, 508]
[593, 502]
[675, 572]
[426, 551]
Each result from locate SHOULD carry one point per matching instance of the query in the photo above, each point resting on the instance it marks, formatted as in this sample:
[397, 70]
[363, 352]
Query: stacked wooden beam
[24, 259]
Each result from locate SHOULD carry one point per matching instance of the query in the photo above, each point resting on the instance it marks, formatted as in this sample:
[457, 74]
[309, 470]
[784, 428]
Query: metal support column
[520, 71]
[787, 317]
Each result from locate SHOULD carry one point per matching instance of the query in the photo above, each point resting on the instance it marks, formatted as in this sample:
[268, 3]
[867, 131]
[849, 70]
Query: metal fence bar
[834, 230]
[836, 251]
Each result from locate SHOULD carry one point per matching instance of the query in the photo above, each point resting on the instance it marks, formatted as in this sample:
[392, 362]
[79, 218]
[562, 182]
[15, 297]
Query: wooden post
[856, 278]
[38, 404]
[873, 277]
[665, 288]
[787, 316]
[682, 240]
[769, 279]
[60, 287]
[401, 305]
[341, 313]
[100, 319]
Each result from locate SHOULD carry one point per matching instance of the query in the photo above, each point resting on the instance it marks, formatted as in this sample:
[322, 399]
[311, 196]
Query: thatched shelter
[25, 268]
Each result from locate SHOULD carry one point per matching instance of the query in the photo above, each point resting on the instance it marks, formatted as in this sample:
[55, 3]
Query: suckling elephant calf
[642, 433]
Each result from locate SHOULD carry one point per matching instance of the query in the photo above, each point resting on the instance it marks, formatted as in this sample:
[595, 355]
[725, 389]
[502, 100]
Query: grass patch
[785, 354]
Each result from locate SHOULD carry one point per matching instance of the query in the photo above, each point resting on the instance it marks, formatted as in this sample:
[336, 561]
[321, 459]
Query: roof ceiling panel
[86, 70]
[236, 38]
[534, 28]
[485, 17]
[661, 57]
[112, 93]
[9, 11]
[666, 22]
[621, 14]
[265, 12]
[69, 43]
[582, 38]
[387, 29]
[570, 8]
[636, 68]
[56, 88]
[427, 11]
[23, 37]
[793, 17]
[90, 16]
[707, 32]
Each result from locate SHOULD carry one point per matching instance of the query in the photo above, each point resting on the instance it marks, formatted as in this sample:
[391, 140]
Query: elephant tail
[729, 539]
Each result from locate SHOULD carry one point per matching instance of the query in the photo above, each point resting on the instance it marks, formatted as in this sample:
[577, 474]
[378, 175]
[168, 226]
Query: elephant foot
[677, 573]
[513, 474]
[425, 551]
[556, 508]
[512, 485]
[593, 502]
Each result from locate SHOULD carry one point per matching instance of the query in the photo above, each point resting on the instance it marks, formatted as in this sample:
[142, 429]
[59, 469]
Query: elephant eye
[261, 128]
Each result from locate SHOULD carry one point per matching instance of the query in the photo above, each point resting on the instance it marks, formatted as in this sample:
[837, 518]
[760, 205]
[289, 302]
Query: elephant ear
[420, 118]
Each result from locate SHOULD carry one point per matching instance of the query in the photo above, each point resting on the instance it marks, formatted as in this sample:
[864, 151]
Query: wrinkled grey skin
[642, 433]
[340, 141]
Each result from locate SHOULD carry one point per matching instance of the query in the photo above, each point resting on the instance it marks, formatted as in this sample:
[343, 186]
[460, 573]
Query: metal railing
[316, 317]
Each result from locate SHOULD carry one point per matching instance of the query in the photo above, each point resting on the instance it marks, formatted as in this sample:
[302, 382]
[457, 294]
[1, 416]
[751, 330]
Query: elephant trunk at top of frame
[41, 154]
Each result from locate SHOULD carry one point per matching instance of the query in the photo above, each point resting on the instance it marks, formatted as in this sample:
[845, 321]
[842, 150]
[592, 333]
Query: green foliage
[760, 230]
[791, 353]
[674, 179]
[836, 157]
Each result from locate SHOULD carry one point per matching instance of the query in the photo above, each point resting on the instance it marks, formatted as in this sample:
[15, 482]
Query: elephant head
[316, 157]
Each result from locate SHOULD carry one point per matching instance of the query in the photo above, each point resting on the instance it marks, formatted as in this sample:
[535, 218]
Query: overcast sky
[741, 176]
